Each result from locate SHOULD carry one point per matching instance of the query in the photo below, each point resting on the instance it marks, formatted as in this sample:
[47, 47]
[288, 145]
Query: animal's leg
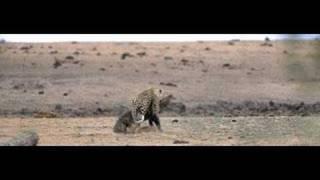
[156, 120]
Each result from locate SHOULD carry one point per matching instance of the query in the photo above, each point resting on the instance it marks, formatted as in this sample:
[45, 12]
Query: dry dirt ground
[86, 76]
[209, 131]
[83, 80]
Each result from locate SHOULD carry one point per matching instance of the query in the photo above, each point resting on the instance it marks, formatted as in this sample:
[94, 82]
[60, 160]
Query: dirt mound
[220, 108]
[252, 108]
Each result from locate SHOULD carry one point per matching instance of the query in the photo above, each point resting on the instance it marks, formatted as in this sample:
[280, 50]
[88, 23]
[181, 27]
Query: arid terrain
[226, 93]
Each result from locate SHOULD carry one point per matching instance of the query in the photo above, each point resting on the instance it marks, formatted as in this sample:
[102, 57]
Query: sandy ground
[91, 76]
[209, 131]
[97, 76]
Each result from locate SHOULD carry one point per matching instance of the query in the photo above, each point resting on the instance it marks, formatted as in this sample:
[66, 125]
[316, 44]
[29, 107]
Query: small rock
[125, 55]
[26, 47]
[69, 57]
[65, 94]
[180, 142]
[175, 121]
[41, 92]
[168, 84]
[57, 63]
[233, 120]
[207, 49]
[102, 69]
[141, 54]
[98, 54]
[231, 43]
[226, 65]
[76, 53]
[54, 52]
[99, 110]
[184, 61]
[167, 58]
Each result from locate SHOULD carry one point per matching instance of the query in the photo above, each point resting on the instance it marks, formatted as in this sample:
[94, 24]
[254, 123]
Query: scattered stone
[204, 70]
[99, 110]
[23, 138]
[65, 94]
[285, 52]
[25, 48]
[141, 54]
[231, 43]
[167, 58]
[226, 65]
[184, 61]
[175, 121]
[69, 57]
[18, 86]
[41, 92]
[98, 54]
[125, 55]
[233, 120]
[180, 142]
[207, 49]
[54, 52]
[94, 49]
[266, 44]
[57, 63]
[168, 84]
[76, 53]
[76, 62]
[102, 69]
